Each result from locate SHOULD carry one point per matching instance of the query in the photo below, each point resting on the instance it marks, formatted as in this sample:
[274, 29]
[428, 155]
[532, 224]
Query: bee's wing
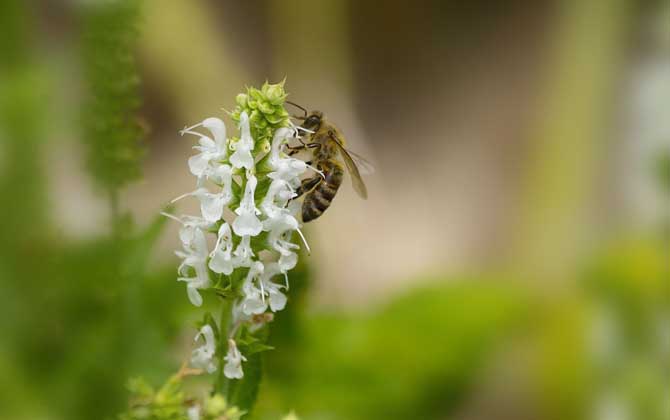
[356, 180]
[364, 166]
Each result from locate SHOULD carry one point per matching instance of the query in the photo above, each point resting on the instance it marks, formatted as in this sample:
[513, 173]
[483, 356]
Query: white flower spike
[228, 186]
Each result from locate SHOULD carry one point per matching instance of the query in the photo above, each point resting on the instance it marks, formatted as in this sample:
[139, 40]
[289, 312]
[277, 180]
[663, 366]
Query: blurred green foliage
[24, 86]
[603, 344]
[112, 128]
[416, 357]
[170, 402]
[83, 317]
[630, 284]
[662, 167]
[79, 317]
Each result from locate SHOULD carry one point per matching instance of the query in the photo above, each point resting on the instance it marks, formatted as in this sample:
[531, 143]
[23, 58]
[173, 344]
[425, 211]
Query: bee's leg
[307, 185]
[295, 149]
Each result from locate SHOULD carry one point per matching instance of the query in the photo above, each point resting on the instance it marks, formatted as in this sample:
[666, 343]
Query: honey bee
[326, 143]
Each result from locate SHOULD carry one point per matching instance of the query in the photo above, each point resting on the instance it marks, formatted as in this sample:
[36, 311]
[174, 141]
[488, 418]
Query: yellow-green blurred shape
[571, 137]
[319, 50]
[181, 45]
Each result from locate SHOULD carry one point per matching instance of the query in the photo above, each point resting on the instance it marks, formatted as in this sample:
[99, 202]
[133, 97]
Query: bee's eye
[312, 121]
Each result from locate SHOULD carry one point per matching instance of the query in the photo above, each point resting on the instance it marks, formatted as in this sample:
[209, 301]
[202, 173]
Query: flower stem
[222, 383]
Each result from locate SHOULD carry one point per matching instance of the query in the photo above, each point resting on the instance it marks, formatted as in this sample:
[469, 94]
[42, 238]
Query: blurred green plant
[602, 347]
[25, 91]
[171, 403]
[416, 357]
[25, 87]
[79, 317]
[112, 129]
[662, 169]
[630, 286]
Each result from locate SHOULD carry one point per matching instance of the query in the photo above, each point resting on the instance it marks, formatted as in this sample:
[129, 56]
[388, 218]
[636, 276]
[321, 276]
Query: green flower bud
[265, 107]
[275, 118]
[253, 116]
[216, 405]
[233, 413]
[275, 93]
[241, 100]
[265, 146]
[255, 94]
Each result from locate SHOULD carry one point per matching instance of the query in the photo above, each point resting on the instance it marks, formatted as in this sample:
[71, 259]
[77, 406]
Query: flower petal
[193, 295]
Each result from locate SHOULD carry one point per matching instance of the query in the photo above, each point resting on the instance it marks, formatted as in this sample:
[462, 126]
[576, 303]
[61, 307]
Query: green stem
[222, 383]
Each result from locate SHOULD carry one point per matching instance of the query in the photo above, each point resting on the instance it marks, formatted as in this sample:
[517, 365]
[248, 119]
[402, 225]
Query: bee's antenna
[298, 106]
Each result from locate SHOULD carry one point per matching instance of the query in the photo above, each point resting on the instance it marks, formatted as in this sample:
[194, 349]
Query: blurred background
[512, 261]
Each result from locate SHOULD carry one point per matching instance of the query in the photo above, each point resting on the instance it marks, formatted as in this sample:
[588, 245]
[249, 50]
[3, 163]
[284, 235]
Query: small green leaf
[243, 393]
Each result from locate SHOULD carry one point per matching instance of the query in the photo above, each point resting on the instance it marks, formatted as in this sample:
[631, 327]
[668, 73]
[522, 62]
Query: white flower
[260, 292]
[288, 261]
[242, 157]
[213, 204]
[203, 356]
[280, 227]
[243, 253]
[189, 225]
[210, 150]
[233, 366]
[222, 175]
[193, 412]
[194, 256]
[276, 298]
[255, 322]
[286, 168]
[221, 260]
[278, 195]
[247, 223]
[254, 298]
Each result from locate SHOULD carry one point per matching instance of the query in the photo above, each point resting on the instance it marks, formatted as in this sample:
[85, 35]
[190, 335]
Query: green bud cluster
[265, 108]
[171, 403]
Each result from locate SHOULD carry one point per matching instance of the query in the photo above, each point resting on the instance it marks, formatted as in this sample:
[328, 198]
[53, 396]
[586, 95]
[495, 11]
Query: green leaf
[242, 393]
[139, 249]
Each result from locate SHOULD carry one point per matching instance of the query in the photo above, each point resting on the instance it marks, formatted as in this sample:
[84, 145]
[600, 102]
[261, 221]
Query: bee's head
[313, 120]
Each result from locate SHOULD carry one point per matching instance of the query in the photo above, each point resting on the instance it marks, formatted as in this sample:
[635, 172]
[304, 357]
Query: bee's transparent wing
[356, 180]
[365, 167]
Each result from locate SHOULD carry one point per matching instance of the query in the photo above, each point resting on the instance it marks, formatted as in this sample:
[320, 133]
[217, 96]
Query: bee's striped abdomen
[319, 199]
